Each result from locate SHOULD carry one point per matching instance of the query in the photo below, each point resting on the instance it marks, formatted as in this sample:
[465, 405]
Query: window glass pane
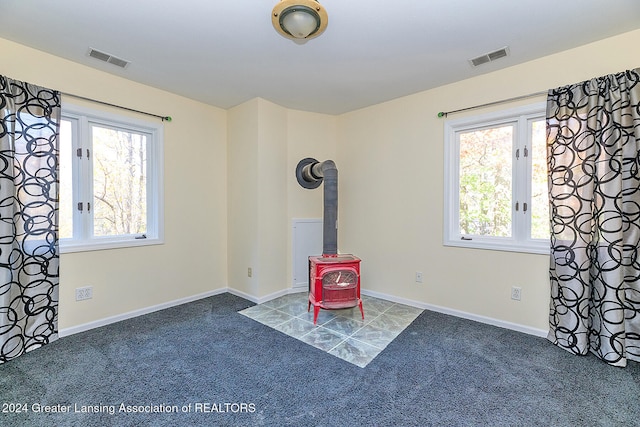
[119, 182]
[65, 175]
[486, 181]
[539, 186]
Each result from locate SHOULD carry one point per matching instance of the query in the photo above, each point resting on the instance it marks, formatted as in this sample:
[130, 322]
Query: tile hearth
[341, 333]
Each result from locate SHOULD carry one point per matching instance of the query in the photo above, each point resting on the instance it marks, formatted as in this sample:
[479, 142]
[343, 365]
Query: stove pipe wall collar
[310, 173]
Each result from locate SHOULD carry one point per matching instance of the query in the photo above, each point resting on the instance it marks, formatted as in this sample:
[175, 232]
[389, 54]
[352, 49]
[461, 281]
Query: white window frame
[82, 118]
[520, 240]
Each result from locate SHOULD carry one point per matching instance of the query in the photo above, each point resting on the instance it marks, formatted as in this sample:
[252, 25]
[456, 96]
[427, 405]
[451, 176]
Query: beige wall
[230, 193]
[242, 161]
[266, 142]
[391, 205]
[257, 160]
[272, 198]
[193, 259]
[308, 135]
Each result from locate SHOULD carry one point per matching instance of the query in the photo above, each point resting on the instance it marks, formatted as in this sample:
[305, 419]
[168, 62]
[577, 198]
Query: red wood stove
[334, 283]
[334, 280]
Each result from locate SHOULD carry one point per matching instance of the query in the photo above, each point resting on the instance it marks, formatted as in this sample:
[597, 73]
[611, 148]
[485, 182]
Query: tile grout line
[290, 317]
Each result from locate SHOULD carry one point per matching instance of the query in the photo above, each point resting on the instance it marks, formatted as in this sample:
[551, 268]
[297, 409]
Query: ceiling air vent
[491, 56]
[107, 58]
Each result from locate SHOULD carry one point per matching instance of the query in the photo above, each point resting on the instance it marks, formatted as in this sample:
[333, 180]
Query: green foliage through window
[496, 190]
[485, 181]
[119, 182]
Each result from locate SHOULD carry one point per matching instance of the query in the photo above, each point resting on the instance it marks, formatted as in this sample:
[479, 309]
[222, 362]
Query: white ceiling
[225, 52]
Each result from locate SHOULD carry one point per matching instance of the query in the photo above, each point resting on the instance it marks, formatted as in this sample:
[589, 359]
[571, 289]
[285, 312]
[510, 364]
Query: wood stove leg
[361, 310]
[316, 310]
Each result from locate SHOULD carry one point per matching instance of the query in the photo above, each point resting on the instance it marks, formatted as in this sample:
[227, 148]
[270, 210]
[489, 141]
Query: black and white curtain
[29, 259]
[593, 131]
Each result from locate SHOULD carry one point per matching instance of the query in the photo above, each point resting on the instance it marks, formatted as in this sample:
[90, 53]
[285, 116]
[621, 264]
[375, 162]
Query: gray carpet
[441, 371]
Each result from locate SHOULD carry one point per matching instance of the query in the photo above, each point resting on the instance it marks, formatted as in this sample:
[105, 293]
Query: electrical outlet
[418, 276]
[249, 272]
[84, 293]
[516, 293]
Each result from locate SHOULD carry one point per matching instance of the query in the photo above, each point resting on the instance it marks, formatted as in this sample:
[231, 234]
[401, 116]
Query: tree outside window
[496, 192]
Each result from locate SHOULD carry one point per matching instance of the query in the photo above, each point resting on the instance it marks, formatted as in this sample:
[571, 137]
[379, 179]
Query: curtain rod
[531, 95]
[163, 118]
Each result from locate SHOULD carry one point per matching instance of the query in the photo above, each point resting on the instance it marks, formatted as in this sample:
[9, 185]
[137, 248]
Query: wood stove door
[340, 286]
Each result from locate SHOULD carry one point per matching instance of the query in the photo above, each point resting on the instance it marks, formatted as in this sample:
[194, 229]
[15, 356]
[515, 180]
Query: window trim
[451, 236]
[83, 116]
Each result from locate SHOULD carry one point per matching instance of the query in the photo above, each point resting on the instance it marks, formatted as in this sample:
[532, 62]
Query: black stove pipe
[310, 174]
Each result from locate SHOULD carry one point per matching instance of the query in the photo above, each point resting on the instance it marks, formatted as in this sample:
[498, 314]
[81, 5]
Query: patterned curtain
[29, 129]
[593, 131]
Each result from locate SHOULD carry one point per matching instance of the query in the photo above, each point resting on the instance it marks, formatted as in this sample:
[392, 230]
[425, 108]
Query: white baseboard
[265, 298]
[444, 310]
[135, 313]
[259, 300]
[242, 295]
[462, 314]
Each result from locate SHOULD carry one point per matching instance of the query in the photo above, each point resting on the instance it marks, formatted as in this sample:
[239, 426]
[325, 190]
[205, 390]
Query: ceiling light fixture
[299, 20]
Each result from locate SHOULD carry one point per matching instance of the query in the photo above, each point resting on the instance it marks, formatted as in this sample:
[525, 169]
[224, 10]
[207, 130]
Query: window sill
[99, 245]
[539, 249]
